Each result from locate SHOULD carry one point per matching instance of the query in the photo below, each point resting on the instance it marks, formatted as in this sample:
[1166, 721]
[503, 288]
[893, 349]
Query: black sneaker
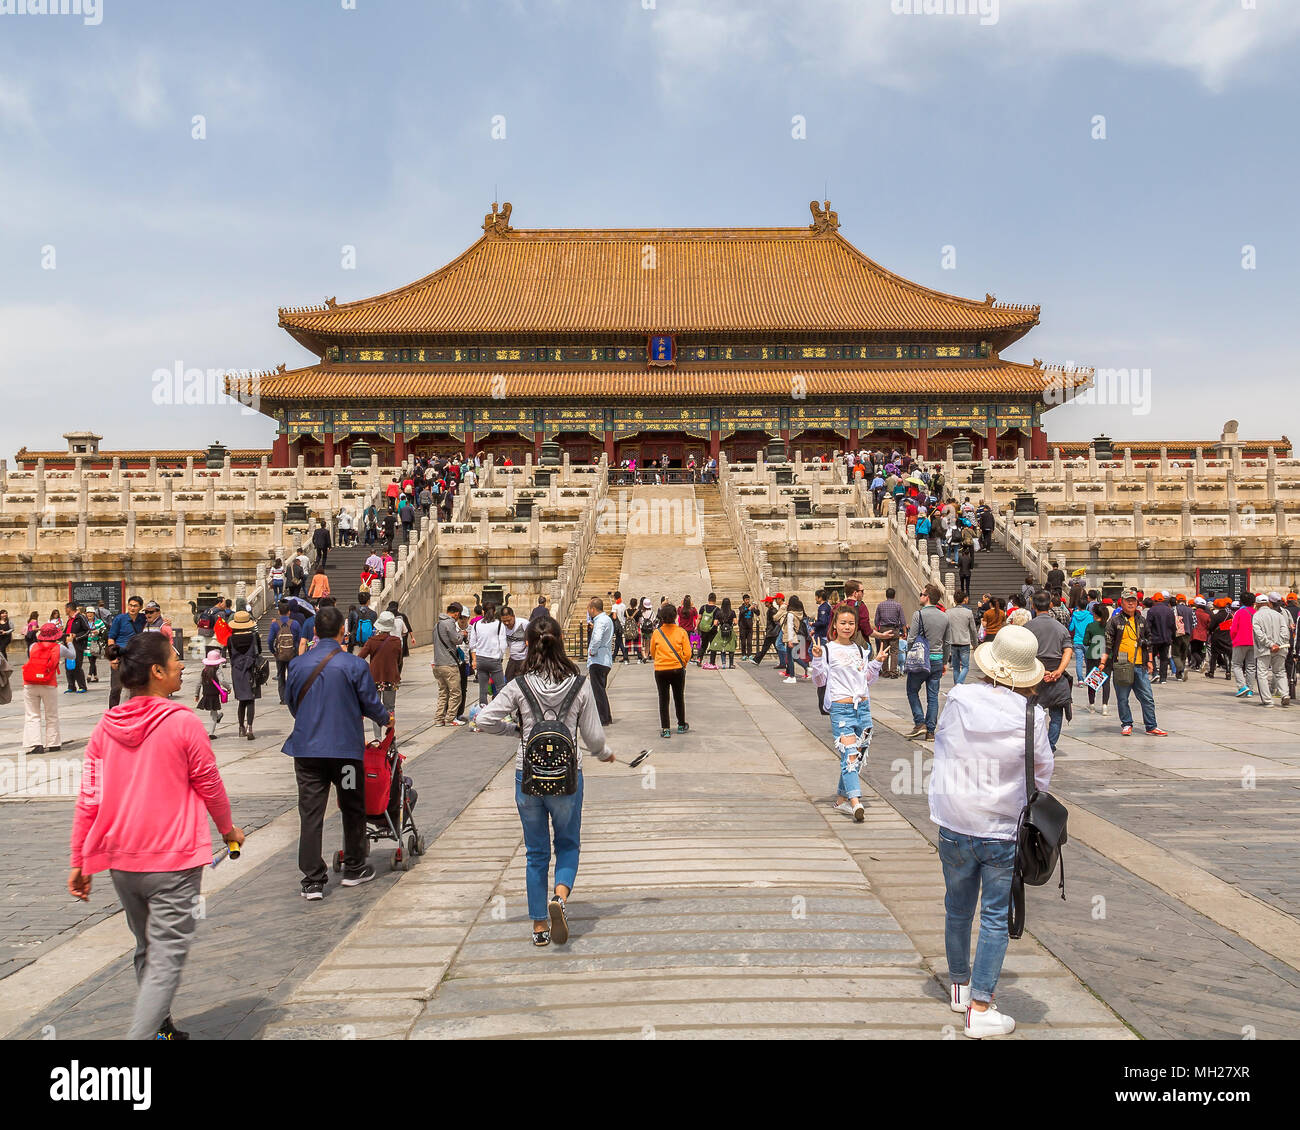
[169, 1031]
[683, 727]
[358, 877]
[559, 921]
[35, 751]
[313, 892]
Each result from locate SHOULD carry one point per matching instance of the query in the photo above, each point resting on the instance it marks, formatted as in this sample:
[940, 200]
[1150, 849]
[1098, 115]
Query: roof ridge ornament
[989, 299]
[498, 222]
[824, 219]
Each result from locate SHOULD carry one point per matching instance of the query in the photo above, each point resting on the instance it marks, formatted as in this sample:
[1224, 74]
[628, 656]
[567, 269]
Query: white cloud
[15, 106]
[1214, 40]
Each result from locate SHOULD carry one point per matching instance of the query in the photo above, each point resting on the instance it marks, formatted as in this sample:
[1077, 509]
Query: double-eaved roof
[658, 280]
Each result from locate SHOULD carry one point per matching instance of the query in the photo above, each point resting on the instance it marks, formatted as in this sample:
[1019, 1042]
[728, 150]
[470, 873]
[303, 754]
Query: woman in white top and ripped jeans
[847, 671]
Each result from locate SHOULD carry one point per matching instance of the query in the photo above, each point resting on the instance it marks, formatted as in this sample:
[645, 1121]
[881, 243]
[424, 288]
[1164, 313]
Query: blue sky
[370, 126]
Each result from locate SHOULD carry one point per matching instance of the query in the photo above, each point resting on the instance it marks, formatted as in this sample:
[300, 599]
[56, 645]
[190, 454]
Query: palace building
[651, 342]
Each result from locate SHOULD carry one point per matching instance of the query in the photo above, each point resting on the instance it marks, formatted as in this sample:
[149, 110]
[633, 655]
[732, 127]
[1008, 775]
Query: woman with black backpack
[548, 705]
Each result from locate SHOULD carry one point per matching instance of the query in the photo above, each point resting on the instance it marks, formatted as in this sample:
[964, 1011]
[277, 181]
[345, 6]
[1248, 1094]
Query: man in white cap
[982, 728]
[1272, 629]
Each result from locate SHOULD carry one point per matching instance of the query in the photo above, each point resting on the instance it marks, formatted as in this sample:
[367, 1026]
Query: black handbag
[1040, 835]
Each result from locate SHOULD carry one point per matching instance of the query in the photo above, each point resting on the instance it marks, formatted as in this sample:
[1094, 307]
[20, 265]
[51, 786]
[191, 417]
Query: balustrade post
[1190, 488]
[1110, 484]
[1090, 521]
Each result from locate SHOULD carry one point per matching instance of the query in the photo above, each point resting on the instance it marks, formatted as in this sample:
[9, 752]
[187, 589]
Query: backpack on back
[550, 749]
[918, 653]
[365, 626]
[285, 648]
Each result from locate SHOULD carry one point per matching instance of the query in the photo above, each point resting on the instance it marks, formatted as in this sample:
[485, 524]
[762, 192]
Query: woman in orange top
[670, 648]
[994, 617]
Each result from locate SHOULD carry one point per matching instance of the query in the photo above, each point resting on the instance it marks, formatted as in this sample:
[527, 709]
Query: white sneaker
[990, 1022]
[844, 806]
[1105, 710]
[959, 997]
[789, 679]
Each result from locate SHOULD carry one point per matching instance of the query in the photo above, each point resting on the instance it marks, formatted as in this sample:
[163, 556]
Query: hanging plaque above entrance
[661, 349]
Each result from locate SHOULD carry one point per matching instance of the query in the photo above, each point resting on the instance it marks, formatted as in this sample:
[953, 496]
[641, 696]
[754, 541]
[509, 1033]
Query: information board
[1223, 582]
[91, 594]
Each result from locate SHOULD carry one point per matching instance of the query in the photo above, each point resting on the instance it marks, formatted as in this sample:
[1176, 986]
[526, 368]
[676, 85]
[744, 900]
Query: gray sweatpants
[1270, 668]
[162, 909]
[1243, 666]
[486, 668]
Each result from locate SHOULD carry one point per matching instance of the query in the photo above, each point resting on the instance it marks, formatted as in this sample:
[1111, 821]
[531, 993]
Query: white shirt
[846, 671]
[488, 639]
[515, 636]
[977, 787]
[619, 610]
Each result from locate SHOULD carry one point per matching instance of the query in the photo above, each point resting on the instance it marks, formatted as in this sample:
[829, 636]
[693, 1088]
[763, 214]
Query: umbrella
[917, 481]
[1078, 572]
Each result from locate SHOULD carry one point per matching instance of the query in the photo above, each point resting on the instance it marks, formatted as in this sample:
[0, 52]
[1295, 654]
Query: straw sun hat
[1011, 658]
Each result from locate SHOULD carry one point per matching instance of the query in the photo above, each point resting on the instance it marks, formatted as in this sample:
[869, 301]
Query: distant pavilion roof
[658, 280]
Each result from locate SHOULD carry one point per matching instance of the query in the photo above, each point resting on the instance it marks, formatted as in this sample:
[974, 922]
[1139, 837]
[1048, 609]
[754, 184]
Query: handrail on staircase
[753, 556]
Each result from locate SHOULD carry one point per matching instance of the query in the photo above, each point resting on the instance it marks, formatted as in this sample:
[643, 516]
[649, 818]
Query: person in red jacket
[148, 784]
[41, 691]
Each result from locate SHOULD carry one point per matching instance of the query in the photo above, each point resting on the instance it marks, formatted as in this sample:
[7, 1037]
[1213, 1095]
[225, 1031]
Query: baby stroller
[390, 799]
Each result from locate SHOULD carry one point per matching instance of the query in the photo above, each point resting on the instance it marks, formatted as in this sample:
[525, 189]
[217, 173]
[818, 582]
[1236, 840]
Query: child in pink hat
[214, 688]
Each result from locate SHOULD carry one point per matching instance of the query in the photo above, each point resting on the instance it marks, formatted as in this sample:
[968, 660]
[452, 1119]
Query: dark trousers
[620, 645]
[1162, 660]
[315, 776]
[1220, 655]
[706, 641]
[77, 676]
[598, 675]
[1198, 654]
[676, 681]
[768, 641]
[114, 687]
[247, 708]
[464, 682]
[746, 641]
[322, 556]
[281, 671]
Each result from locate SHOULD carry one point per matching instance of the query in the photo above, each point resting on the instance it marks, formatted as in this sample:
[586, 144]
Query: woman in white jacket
[550, 675]
[847, 671]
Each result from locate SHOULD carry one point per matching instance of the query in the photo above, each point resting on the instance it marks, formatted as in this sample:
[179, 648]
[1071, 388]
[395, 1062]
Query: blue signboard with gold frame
[661, 349]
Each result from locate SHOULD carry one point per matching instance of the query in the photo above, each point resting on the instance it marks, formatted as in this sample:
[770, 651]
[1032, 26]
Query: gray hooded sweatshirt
[508, 713]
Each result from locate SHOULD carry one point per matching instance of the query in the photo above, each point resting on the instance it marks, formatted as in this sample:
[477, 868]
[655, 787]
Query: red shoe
[1126, 731]
[1158, 733]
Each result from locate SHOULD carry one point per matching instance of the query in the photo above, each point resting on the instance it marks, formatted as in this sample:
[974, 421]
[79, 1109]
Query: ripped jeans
[851, 729]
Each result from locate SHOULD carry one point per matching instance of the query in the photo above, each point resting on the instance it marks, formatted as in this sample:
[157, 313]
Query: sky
[172, 173]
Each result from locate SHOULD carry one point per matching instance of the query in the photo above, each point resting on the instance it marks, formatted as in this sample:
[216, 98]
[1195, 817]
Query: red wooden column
[280, 451]
[923, 443]
[538, 440]
[853, 439]
[991, 443]
[469, 445]
[609, 448]
[399, 448]
[715, 444]
[1039, 443]
[329, 449]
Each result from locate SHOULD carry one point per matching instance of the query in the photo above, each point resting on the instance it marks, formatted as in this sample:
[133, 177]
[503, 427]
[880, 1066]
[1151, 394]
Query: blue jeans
[791, 658]
[565, 815]
[1142, 687]
[960, 662]
[915, 681]
[1055, 719]
[976, 867]
[851, 729]
[1078, 664]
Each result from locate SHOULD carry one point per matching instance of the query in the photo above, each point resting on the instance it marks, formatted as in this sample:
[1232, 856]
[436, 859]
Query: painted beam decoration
[519, 420]
[300, 422]
[820, 417]
[449, 420]
[692, 421]
[591, 420]
[961, 417]
[1014, 416]
[750, 419]
[890, 418]
[355, 421]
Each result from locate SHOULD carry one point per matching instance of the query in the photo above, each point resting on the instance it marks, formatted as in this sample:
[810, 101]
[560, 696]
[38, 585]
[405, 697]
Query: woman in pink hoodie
[148, 785]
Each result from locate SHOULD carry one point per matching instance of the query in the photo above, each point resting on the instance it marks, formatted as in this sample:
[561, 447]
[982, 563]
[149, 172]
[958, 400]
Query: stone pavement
[1186, 824]
[718, 895]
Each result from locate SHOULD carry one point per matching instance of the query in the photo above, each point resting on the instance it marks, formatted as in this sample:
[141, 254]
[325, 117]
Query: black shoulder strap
[567, 704]
[533, 704]
[670, 647]
[1029, 749]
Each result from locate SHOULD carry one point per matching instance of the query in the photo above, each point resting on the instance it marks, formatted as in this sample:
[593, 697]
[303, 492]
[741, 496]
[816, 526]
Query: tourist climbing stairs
[601, 578]
[996, 572]
[726, 571]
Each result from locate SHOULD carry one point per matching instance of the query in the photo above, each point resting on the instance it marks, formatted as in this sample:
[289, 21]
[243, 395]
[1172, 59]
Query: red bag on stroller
[379, 770]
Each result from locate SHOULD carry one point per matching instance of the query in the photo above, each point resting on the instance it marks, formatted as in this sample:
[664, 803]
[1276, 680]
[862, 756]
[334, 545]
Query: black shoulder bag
[1040, 835]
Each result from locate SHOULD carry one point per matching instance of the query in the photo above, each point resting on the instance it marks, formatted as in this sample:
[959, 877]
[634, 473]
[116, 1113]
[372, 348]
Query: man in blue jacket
[329, 691]
[125, 625]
